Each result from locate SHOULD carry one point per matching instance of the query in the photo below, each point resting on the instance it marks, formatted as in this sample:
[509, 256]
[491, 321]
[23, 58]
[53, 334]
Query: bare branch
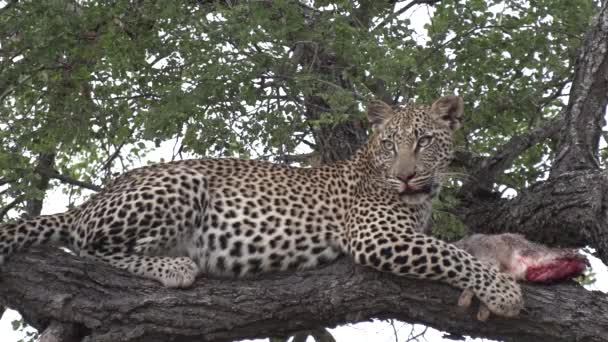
[132, 97]
[69, 180]
[563, 211]
[107, 165]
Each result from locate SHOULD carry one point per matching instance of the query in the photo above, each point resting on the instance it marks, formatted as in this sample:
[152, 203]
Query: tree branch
[112, 305]
[4, 181]
[485, 170]
[107, 165]
[402, 10]
[8, 207]
[66, 179]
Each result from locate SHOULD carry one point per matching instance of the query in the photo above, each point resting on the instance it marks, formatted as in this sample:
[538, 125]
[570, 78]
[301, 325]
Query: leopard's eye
[425, 141]
[388, 145]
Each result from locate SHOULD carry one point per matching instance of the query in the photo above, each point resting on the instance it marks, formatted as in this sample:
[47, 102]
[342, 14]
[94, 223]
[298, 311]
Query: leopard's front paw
[503, 297]
[465, 299]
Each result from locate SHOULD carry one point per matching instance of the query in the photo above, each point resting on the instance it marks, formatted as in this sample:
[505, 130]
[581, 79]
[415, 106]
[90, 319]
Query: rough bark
[569, 210]
[338, 142]
[584, 119]
[107, 304]
[61, 332]
[34, 205]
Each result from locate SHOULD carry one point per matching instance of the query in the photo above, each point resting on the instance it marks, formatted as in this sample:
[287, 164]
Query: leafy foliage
[83, 79]
[97, 84]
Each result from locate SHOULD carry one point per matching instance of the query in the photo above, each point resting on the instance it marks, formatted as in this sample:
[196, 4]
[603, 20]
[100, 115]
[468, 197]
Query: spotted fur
[235, 217]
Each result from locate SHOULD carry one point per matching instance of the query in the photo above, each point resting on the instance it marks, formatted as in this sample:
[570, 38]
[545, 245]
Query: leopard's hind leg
[170, 271]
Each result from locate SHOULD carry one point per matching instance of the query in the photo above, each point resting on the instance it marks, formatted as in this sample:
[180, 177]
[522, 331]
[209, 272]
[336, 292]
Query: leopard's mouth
[418, 194]
[408, 190]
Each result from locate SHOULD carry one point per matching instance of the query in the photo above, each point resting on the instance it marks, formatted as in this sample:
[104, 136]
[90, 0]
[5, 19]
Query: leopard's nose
[406, 176]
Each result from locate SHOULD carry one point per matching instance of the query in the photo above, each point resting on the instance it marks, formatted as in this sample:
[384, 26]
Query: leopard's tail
[41, 230]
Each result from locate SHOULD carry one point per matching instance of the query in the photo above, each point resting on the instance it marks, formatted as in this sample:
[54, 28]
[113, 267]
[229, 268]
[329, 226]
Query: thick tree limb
[108, 304]
[584, 117]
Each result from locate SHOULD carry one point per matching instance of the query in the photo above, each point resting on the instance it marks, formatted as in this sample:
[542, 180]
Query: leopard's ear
[448, 111]
[378, 113]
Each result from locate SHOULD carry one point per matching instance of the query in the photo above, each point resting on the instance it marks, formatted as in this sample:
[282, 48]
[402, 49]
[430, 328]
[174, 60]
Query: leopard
[229, 217]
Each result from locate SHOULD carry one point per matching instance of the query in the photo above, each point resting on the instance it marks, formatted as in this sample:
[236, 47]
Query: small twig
[11, 205]
[392, 323]
[66, 179]
[108, 163]
[132, 97]
[394, 15]
[413, 337]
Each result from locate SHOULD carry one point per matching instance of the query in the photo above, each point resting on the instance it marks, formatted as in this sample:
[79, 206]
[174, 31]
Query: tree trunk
[580, 136]
[46, 161]
[104, 304]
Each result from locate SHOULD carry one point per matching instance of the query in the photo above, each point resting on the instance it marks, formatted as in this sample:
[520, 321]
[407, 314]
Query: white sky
[379, 331]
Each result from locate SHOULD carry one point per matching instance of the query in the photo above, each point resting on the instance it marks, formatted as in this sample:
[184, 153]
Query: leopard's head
[411, 146]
